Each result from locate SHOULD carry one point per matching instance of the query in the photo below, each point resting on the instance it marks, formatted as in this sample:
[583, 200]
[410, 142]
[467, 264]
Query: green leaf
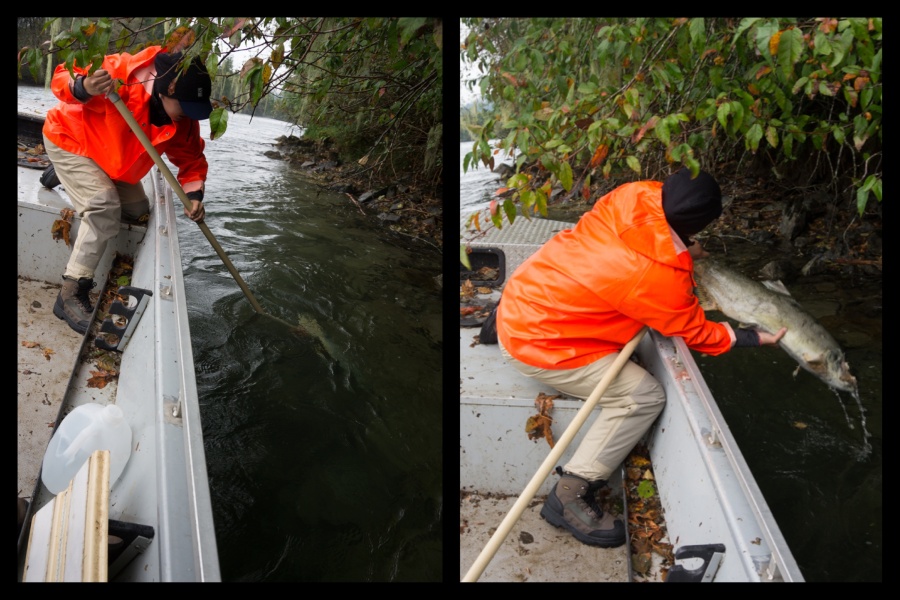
[565, 175]
[646, 489]
[737, 109]
[798, 85]
[754, 134]
[691, 163]
[840, 45]
[464, 257]
[662, 130]
[541, 203]
[722, 114]
[862, 198]
[408, 27]
[790, 50]
[527, 199]
[838, 132]
[497, 218]
[509, 208]
[218, 123]
[744, 25]
[772, 136]
[634, 164]
[822, 46]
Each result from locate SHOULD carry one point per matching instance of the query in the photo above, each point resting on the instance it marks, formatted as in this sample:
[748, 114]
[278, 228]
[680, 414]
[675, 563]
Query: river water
[320, 469]
[816, 454]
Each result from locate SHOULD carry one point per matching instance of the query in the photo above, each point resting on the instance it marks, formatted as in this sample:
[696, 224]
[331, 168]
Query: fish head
[838, 372]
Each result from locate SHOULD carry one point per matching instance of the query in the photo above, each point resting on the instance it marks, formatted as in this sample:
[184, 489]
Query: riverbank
[406, 206]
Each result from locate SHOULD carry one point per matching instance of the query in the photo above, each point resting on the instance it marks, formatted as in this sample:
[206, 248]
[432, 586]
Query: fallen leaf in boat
[100, 379]
[31, 344]
[641, 563]
[538, 426]
[47, 353]
[467, 290]
[800, 425]
[487, 273]
[60, 231]
[61, 227]
[544, 403]
[640, 461]
[646, 522]
[646, 489]
[485, 290]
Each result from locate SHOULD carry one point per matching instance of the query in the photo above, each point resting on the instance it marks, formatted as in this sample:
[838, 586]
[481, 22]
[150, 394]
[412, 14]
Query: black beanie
[690, 204]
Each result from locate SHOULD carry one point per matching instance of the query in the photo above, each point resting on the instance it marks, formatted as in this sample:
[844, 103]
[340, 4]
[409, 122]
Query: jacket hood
[636, 212]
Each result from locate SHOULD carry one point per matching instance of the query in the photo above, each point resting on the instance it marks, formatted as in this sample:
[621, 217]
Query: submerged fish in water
[310, 328]
[770, 307]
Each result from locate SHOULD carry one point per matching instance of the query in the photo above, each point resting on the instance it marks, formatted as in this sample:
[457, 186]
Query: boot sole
[61, 314]
[558, 521]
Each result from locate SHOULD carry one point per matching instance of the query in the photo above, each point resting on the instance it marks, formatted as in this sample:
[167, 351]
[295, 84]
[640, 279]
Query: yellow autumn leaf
[773, 43]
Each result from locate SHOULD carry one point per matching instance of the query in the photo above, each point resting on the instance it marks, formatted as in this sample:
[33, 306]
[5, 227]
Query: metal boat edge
[713, 507]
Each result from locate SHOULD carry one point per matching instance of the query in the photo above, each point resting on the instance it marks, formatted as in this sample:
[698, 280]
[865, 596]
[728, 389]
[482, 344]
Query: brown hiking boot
[572, 505]
[74, 303]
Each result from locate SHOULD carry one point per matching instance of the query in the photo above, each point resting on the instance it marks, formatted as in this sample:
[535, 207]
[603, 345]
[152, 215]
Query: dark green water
[320, 469]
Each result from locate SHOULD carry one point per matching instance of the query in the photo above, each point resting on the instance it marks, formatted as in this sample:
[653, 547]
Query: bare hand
[197, 212]
[98, 82]
[697, 251]
[767, 339]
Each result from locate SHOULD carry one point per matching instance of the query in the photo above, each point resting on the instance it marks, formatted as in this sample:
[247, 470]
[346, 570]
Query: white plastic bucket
[87, 428]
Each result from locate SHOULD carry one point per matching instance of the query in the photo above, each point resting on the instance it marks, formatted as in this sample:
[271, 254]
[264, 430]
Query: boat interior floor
[46, 352]
[534, 550]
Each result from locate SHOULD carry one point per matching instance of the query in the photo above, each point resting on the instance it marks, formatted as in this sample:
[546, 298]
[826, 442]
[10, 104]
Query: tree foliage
[373, 85]
[594, 97]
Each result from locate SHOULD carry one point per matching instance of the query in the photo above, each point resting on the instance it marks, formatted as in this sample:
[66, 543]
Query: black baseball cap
[191, 88]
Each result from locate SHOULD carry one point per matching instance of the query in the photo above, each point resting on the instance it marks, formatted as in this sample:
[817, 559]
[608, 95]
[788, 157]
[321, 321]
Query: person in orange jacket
[100, 161]
[571, 307]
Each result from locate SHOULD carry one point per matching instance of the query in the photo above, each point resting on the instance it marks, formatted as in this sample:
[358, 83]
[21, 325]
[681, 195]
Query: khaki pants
[101, 203]
[629, 406]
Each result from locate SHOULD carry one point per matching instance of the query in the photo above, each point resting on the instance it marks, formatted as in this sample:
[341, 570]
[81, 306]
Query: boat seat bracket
[126, 542]
[132, 313]
[711, 556]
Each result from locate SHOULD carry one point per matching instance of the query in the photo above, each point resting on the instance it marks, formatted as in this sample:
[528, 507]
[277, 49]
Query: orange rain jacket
[96, 129]
[589, 289]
